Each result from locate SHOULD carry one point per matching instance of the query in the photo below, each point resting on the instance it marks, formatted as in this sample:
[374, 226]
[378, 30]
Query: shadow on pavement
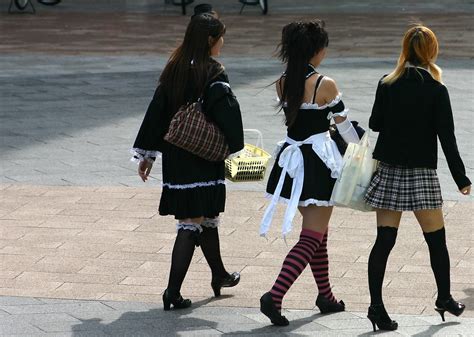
[433, 329]
[154, 322]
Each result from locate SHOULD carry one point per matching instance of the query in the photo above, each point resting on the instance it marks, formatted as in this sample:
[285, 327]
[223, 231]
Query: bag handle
[365, 139]
[259, 137]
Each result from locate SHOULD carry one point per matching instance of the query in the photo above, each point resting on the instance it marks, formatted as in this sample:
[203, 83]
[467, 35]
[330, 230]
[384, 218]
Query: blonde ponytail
[399, 70]
[419, 48]
[435, 71]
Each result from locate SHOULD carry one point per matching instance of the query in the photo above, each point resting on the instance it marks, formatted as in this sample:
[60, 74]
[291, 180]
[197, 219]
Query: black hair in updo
[300, 41]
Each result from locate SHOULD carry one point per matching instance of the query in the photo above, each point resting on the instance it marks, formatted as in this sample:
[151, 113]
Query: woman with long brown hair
[307, 163]
[193, 188]
[411, 110]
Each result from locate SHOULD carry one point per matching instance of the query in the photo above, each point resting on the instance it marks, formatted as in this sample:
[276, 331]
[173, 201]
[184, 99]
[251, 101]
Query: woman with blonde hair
[411, 110]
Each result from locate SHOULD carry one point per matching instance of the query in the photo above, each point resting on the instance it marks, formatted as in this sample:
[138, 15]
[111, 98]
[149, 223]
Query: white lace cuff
[338, 114]
[140, 155]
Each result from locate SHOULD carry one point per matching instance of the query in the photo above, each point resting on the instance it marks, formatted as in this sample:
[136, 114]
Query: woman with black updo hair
[307, 163]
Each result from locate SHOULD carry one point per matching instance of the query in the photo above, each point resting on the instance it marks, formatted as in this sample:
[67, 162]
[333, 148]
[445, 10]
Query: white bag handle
[259, 137]
[365, 139]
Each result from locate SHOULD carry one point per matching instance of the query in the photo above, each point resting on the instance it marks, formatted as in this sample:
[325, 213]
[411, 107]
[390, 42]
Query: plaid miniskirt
[400, 188]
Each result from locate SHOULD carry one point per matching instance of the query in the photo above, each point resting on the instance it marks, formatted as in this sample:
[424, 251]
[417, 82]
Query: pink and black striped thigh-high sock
[320, 268]
[294, 263]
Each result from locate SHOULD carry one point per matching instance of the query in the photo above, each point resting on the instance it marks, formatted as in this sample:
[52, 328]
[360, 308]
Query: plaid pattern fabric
[192, 131]
[401, 188]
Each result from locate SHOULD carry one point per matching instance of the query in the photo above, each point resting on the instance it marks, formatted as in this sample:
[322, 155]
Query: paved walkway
[82, 250]
[75, 318]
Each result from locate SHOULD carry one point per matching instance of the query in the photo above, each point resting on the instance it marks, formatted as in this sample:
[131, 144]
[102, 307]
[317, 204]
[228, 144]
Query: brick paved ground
[82, 250]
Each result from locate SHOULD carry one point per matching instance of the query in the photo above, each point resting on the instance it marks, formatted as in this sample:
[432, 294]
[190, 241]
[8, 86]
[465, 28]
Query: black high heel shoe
[230, 280]
[177, 300]
[326, 306]
[450, 305]
[379, 317]
[268, 308]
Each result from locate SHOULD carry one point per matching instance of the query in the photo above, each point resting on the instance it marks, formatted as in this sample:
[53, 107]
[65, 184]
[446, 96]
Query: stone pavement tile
[440, 330]
[69, 308]
[7, 274]
[14, 262]
[14, 328]
[97, 248]
[14, 300]
[64, 278]
[29, 284]
[36, 319]
[110, 296]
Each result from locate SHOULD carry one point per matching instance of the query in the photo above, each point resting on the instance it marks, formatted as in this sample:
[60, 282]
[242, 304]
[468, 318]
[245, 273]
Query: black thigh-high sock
[386, 237]
[439, 258]
[181, 257]
[209, 241]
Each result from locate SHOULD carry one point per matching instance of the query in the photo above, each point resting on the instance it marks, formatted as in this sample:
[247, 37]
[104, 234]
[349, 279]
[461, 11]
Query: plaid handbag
[191, 130]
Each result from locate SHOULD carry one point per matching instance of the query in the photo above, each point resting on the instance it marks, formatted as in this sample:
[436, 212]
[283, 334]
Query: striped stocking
[294, 264]
[320, 268]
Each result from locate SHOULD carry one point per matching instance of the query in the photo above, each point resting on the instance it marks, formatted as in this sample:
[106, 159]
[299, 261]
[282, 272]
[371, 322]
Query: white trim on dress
[193, 185]
[316, 106]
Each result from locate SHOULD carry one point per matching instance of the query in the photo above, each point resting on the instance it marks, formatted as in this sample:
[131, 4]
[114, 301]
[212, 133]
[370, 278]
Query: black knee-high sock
[181, 257]
[209, 241]
[439, 258]
[386, 237]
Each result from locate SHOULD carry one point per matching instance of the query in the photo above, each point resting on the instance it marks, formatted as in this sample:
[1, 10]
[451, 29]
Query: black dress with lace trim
[192, 186]
[318, 183]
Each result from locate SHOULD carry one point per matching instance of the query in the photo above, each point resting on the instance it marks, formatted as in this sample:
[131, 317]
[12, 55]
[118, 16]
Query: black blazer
[410, 115]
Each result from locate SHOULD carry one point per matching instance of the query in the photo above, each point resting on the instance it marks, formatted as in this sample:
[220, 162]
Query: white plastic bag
[357, 170]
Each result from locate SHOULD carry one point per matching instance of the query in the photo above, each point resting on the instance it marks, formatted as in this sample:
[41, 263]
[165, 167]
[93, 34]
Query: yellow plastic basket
[251, 163]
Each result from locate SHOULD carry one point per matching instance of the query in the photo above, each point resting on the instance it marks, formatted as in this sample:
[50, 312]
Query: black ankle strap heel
[379, 317]
[176, 299]
[226, 282]
[450, 305]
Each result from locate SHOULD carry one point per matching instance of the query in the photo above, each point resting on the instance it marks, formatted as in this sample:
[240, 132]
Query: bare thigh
[430, 220]
[388, 218]
[316, 218]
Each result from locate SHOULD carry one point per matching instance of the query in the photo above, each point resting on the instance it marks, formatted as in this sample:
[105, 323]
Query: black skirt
[192, 187]
[317, 184]
[400, 188]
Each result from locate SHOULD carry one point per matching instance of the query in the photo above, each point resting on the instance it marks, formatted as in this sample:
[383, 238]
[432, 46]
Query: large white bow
[291, 162]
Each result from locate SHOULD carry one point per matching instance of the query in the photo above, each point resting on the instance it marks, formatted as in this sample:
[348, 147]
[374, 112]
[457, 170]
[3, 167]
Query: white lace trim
[140, 154]
[194, 185]
[303, 203]
[211, 222]
[189, 226]
[316, 106]
[339, 114]
[225, 84]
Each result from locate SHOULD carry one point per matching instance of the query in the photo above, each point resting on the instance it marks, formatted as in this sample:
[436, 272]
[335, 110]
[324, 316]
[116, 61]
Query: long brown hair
[191, 61]
[300, 41]
[419, 48]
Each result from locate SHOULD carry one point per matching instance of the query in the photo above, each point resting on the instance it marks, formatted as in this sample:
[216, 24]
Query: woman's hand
[144, 169]
[466, 190]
